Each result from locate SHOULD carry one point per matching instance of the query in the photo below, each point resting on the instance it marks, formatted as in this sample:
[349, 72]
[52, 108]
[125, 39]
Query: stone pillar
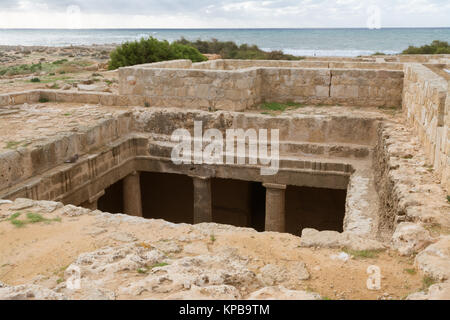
[202, 199]
[132, 202]
[275, 207]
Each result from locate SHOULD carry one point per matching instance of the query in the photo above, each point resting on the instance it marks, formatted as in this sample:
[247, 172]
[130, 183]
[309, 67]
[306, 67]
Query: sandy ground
[47, 249]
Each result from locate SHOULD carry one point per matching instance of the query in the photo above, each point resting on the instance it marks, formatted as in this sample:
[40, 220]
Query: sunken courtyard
[356, 160]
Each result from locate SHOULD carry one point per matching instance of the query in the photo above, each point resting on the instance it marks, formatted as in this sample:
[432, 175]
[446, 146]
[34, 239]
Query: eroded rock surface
[409, 238]
[434, 261]
[334, 239]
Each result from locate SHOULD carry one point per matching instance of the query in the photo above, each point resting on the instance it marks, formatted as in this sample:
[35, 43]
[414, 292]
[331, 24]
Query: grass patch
[276, 106]
[411, 271]
[145, 270]
[22, 69]
[212, 238]
[30, 218]
[363, 254]
[15, 144]
[142, 270]
[59, 66]
[158, 265]
[43, 100]
[59, 62]
[12, 144]
[427, 282]
[448, 199]
[18, 223]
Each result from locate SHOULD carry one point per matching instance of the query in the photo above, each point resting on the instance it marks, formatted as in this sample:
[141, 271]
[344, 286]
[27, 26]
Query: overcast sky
[223, 13]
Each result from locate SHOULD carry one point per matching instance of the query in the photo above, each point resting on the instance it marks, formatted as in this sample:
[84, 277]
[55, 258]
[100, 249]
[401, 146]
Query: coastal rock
[73, 211]
[93, 88]
[334, 239]
[168, 246]
[281, 293]
[91, 292]
[271, 274]
[21, 203]
[434, 261]
[29, 292]
[439, 291]
[201, 271]
[123, 237]
[409, 238]
[49, 206]
[219, 292]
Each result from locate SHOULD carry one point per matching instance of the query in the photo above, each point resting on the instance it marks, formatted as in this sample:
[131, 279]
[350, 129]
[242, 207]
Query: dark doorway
[112, 200]
[167, 196]
[321, 209]
[239, 203]
[258, 206]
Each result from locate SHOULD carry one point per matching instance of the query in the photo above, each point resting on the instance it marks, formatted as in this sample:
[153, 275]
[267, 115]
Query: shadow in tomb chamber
[238, 203]
[167, 196]
[234, 202]
[112, 200]
[318, 208]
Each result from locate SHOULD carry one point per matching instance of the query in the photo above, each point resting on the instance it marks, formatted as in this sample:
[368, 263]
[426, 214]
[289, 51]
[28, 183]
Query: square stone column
[275, 207]
[132, 202]
[202, 199]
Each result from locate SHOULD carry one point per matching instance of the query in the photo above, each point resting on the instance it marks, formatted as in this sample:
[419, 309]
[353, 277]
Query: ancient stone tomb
[336, 166]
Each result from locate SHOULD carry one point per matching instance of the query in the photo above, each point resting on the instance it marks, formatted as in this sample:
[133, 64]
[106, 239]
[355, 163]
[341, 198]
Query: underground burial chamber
[324, 178]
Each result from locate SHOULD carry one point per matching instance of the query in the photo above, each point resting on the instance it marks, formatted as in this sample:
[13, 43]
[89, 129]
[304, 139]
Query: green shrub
[151, 50]
[21, 69]
[436, 47]
[35, 80]
[230, 50]
[62, 61]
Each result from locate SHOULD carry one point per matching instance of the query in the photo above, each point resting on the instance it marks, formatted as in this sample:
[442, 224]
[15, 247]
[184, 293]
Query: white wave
[331, 52]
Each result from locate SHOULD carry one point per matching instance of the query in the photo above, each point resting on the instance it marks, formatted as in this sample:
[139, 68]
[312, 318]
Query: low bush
[436, 47]
[152, 50]
[230, 50]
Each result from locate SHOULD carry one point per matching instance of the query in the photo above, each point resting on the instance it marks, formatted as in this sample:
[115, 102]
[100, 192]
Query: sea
[302, 42]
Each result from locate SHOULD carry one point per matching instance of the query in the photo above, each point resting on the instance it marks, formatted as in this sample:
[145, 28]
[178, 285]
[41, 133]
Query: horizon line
[212, 28]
